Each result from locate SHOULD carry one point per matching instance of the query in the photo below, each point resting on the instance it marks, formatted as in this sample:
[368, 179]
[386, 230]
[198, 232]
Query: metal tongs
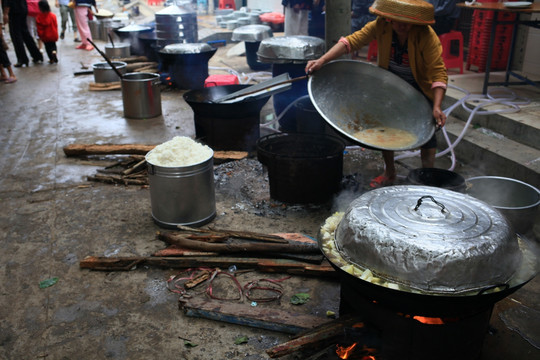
[269, 87]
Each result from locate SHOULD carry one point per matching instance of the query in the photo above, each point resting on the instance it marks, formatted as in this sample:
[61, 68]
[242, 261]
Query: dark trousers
[50, 47]
[4, 59]
[20, 36]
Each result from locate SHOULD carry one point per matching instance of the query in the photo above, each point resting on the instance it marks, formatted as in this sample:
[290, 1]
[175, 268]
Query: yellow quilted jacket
[424, 50]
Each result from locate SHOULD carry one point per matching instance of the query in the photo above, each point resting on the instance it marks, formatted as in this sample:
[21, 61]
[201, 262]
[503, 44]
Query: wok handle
[419, 202]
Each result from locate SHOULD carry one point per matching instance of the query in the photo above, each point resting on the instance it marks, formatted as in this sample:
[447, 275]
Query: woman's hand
[314, 65]
[439, 116]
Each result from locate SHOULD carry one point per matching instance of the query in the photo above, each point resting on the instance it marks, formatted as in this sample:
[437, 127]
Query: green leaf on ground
[47, 283]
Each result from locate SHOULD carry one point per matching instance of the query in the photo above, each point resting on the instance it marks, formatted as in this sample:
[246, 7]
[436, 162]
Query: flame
[345, 352]
[429, 320]
[358, 325]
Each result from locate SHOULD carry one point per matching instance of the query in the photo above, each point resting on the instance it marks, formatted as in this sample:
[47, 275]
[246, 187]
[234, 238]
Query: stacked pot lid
[252, 33]
[429, 239]
[195, 48]
[290, 49]
[176, 24]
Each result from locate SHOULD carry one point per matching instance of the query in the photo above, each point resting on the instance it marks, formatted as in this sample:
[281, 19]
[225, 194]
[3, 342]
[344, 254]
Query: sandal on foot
[380, 181]
[10, 80]
[81, 47]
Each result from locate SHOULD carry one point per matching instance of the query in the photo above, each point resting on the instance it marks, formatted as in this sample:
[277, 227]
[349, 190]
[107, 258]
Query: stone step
[493, 153]
[522, 126]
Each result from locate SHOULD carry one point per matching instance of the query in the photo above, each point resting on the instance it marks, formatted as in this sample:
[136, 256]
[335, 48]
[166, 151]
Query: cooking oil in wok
[386, 137]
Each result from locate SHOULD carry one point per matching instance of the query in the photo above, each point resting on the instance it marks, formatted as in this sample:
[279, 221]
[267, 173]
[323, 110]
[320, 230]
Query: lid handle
[443, 208]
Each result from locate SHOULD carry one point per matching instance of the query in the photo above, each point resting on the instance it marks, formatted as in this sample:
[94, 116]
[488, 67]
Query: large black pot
[234, 126]
[187, 71]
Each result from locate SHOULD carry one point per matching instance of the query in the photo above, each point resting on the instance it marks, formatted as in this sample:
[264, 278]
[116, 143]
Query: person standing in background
[360, 14]
[33, 11]
[5, 64]
[66, 11]
[446, 15]
[16, 11]
[47, 29]
[82, 7]
[296, 16]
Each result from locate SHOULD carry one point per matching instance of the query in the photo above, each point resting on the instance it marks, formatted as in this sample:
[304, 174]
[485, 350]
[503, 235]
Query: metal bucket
[121, 50]
[141, 95]
[517, 200]
[104, 73]
[182, 195]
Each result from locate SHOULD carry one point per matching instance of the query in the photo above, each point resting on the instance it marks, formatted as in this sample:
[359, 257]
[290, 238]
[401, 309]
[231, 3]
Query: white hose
[509, 100]
[271, 123]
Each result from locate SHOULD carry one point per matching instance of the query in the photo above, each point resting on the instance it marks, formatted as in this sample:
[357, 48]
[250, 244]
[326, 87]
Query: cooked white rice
[180, 151]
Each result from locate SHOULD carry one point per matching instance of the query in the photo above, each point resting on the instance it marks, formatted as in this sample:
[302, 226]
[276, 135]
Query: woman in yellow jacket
[408, 47]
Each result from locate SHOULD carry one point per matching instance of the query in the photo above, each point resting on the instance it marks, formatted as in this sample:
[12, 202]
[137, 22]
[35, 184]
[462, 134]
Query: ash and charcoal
[246, 183]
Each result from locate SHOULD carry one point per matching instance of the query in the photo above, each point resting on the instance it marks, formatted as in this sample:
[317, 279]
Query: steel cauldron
[353, 96]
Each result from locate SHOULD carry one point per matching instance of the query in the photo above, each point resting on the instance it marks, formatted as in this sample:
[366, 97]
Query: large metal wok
[353, 96]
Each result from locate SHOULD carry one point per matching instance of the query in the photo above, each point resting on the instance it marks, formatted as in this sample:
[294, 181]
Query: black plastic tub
[234, 126]
[441, 178]
[302, 168]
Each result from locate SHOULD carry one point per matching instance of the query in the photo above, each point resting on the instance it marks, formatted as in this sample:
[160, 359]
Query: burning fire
[344, 352]
[429, 320]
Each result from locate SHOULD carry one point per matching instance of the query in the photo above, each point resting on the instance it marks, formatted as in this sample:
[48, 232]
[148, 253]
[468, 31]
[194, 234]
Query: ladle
[106, 59]
[110, 38]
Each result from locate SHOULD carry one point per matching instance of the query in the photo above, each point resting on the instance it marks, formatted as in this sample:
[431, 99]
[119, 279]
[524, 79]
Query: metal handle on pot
[443, 208]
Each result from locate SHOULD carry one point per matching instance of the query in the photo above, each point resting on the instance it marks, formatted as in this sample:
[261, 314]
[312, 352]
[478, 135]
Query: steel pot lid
[429, 239]
[188, 48]
[174, 10]
[252, 33]
[134, 28]
[291, 48]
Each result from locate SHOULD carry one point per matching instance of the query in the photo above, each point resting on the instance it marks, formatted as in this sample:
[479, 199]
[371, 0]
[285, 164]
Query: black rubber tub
[234, 126]
[441, 178]
[302, 168]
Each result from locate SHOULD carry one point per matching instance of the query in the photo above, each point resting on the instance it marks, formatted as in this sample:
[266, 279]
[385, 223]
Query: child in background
[47, 29]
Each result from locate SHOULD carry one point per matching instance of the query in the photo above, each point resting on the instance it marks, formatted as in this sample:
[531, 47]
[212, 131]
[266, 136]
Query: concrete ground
[53, 218]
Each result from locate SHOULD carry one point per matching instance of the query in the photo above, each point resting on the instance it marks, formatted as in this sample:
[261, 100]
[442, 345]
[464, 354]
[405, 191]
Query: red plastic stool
[227, 4]
[451, 60]
[372, 51]
[218, 80]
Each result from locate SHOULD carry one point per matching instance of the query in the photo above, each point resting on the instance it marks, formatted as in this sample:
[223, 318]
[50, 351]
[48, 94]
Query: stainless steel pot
[104, 73]
[117, 50]
[141, 95]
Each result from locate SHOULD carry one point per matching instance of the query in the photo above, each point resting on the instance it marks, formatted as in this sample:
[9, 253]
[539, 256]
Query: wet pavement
[53, 218]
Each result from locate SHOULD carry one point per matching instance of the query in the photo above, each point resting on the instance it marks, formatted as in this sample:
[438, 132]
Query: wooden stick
[135, 149]
[106, 149]
[264, 265]
[324, 333]
[238, 234]
[184, 242]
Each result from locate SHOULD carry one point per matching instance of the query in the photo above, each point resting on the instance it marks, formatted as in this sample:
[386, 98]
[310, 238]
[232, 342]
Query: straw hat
[416, 12]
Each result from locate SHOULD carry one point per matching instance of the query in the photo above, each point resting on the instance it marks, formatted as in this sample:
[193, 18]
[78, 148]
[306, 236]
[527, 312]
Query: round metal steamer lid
[429, 239]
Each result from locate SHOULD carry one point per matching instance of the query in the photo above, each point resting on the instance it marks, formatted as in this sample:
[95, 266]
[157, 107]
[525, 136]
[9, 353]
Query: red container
[219, 80]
